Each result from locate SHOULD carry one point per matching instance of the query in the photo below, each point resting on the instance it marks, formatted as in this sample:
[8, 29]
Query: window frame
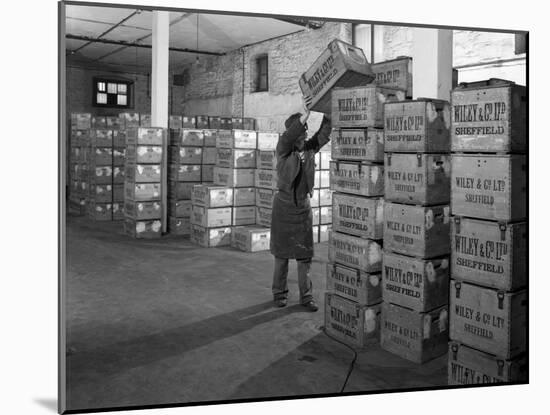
[118, 81]
[258, 60]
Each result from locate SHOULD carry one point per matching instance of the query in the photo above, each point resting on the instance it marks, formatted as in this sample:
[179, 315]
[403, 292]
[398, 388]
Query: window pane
[121, 100]
[122, 88]
[101, 86]
[111, 88]
[101, 98]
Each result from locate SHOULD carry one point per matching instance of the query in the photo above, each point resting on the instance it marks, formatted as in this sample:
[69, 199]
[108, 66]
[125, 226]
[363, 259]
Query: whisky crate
[340, 65]
[419, 284]
[119, 156]
[144, 121]
[354, 285]
[188, 122]
[211, 217]
[101, 156]
[323, 233]
[237, 123]
[130, 120]
[489, 116]
[357, 215]
[101, 138]
[187, 137]
[226, 123]
[118, 175]
[175, 122]
[362, 254]
[143, 229]
[467, 366]
[234, 177]
[362, 106]
[118, 211]
[244, 215]
[236, 158]
[201, 121]
[418, 337]
[263, 217]
[236, 139]
[186, 172]
[266, 160]
[267, 141]
[489, 320]
[99, 122]
[244, 196]
[420, 126]
[118, 193]
[152, 136]
[81, 121]
[210, 237]
[100, 211]
[365, 144]
[210, 138]
[354, 324]
[119, 138]
[142, 173]
[207, 173]
[212, 196]
[266, 179]
[264, 197]
[325, 197]
[101, 193]
[142, 192]
[395, 73]
[142, 210]
[79, 138]
[101, 175]
[357, 178]
[418, 231]
[179, 226]
[490, 254]
[249, 123]
[179, 208]
[209, 155]
[420, 179]
[325, 215]
[180, 190]
[250, 238]
[184, 155]
[113, 123]
[492, 187]
[142, 154]
[214, 123]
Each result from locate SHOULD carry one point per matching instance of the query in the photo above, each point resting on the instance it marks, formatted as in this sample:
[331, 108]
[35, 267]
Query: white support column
[378, 43]
[432, 63]
[159, 94]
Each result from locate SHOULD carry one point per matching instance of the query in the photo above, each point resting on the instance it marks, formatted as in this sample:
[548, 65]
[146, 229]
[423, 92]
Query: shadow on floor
[48, 403]
[118, 357]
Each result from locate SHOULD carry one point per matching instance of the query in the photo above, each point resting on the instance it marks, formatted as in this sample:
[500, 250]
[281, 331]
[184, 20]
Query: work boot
[280, 302]
[311, 306]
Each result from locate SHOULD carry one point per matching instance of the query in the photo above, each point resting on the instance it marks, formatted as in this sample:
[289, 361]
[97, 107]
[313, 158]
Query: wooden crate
[152, 136]
[142, 173]
[141, 192]
[354, 324]
[354, 285]
[340, 65]
[179, 226]
[418, 337]
[188, 122]
[130, 120]
[211, 217]
[186, 172]
[119, 138]
[236, 158]
[237, 123]
[144, 121]
[489, 320]
[365, 144]
[394, 73]
[100, 156]
[418, 231]
[101, 175]
[263, 217]
[209, 155]
[214, 123]
[81, 120]
[357, 215]
[236, 139]
[362, 254]
[118, 175]
[179, 208]
[249, 123]
[419, 284]
[264, 197]
[211, 237]
[489, 116]
[180, 190]
[100, 211]
[357, 178]
[266, 160]
[234, 177]
[143, 229]
[420, 126]
[226, 123]
[175, 122]
[202, 121]
[101, 138]
[362, 106]
[244, 196]
[267, 141]
[250, 238]
[142, 154]
[266, 179]
[419, 179]
[212, 196]
[187, 137]
[118, 193]
[244, 215]
[209, 138]
[99, 122]
[119, 156]
[101, 193]
[467, 366]
[184, 155]
[79, 137]
[492, 187]
[118, 211]
[142, 210]
[489, 253]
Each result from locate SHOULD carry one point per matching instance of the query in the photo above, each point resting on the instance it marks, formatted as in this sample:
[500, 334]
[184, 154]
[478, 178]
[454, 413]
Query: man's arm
[287, 140]
[321, 137]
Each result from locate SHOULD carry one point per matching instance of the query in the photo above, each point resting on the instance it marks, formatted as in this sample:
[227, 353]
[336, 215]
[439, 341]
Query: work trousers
[280, 273]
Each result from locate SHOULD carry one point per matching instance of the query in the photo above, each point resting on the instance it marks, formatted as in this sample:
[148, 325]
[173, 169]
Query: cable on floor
[352, 364]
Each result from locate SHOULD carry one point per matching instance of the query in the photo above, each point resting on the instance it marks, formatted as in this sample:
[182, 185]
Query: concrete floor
[165, 321]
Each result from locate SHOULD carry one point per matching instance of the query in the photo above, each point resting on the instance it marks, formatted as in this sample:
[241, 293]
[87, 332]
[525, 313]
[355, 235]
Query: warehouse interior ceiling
[118, 37]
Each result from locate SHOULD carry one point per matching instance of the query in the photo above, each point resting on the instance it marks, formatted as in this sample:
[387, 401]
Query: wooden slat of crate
[211, 217]
[186, 172]
[211, 237]
[147, 229]
[354, 285]
[357, 178]
[236, 158]
[358, 144]
[234, 177]
[357, 215]
[185, 155]
[250, 238]
[395, 73]
[142, 210]
[142, 191]
[187, 137]
[244, 196]
[142, 173]
[144, 154]
[489, 320]
[243, 139]
[492, 187]
[212, 196]
[243, 215]
[354, 252]
[152, 136]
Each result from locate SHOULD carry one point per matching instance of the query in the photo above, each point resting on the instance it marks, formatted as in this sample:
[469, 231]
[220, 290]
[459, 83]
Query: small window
[262, 79]
[112, 93]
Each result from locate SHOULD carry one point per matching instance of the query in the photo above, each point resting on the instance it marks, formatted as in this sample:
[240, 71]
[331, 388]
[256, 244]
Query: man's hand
[306, 102]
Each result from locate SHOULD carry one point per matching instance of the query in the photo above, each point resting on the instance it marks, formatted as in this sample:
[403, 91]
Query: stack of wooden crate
[488, 293]
[415, 277]
[353, 300]
[100, 177]
[265, 177]
[79, 138]
[115, 124]
[144, 165]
